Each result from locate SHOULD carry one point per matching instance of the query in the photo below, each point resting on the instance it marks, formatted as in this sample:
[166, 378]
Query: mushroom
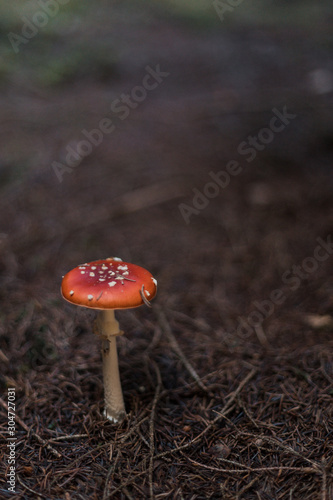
[107, 285]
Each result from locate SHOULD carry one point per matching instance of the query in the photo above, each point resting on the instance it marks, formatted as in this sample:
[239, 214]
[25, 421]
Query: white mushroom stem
[108, 329]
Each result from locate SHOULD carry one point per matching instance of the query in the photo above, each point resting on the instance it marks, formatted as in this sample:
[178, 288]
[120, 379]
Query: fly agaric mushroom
[107, 285]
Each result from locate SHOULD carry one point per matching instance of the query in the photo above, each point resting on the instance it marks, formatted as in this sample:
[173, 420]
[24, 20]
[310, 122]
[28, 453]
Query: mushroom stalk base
[108, 329]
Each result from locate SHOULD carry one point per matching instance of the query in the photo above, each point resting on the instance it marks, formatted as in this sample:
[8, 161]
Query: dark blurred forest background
[193, 138]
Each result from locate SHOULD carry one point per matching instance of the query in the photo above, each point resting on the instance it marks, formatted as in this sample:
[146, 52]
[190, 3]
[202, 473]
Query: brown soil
[215, 409]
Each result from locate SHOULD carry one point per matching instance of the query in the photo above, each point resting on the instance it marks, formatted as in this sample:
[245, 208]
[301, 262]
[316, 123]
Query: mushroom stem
[108, 329]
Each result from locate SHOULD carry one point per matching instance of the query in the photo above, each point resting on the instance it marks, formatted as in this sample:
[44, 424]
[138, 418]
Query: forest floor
[215, 174]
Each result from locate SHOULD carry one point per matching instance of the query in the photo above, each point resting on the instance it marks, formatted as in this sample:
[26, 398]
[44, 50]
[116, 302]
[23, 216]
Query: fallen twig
[36, 495]
[151, 430]
[175, 346]
[68, 437]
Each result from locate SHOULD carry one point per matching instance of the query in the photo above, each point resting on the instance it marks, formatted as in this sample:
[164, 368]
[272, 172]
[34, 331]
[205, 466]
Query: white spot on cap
[123, 268]
[125, 273]
[104, 266]
[83, 272]
[112, 283]
[147, 293]
[81, 267]
[154, 281]
[93, 268]
[117, 259]
[119, 278]
[71, 292]
[90, 297]
[111, 272]
[101, 279]
[91, 274]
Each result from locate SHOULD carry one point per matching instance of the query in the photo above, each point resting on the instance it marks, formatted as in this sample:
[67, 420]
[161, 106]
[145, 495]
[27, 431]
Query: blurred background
[113, 114]
[63, 65]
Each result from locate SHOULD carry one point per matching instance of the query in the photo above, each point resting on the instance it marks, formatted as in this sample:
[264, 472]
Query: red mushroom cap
[108, 284]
